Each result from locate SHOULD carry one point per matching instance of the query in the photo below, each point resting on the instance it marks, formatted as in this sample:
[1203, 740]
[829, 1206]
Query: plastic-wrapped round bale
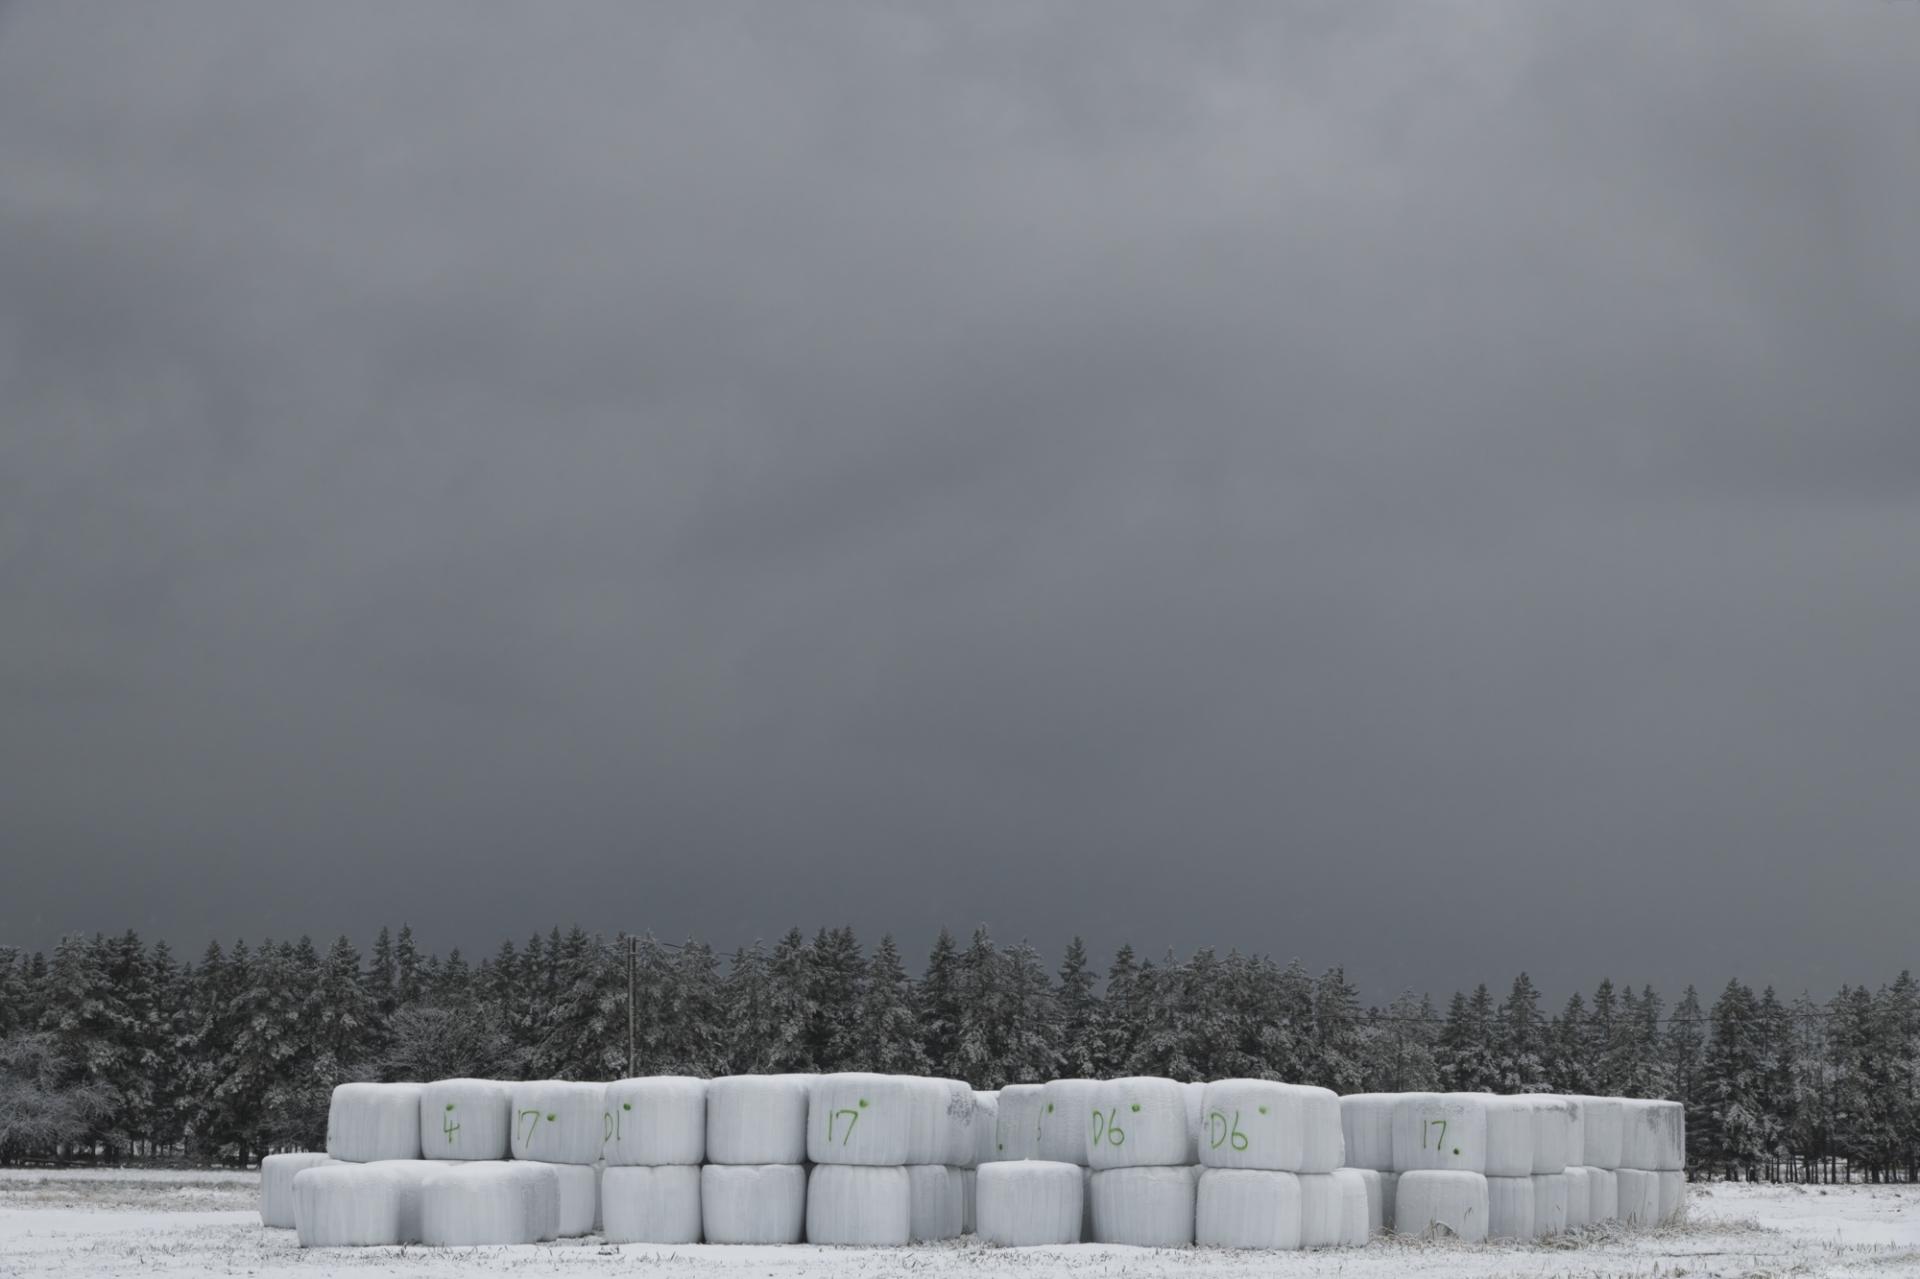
[1148, 1207]
[1440, 1132]
[1066, 1109]
[865, 1119]
[1603, 1196]
[986, 1128]
[1639, 1197]
[1366, 1124]
[557, 1121]
[1510, 1207]
[1554, 1119]
[1653, 1136]
[1375, 1184]
[654, 1122]
[1028, 1202]
[367, 1123]
[465, 1119]
[1429, 1202]
[934, 1203]
[1602, 1127]
[1509, 1137]
[1673, 1195]
[1579, 1197]
[1137, 1122]
[929, 1131]
[651, 1203]
[757, 1119]
[276, 1185]
[1016, 1123]
[753, 1203]
[960, 1112]
[579, 1196]
[1549, 1204]
[474, 1202]
[1248, 1208]
[857, 1204]
[360, 1204]
[1333, 1209]
[1258, 1123]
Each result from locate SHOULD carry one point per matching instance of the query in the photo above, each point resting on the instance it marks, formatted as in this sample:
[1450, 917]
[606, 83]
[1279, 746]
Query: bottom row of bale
[1020, 1203]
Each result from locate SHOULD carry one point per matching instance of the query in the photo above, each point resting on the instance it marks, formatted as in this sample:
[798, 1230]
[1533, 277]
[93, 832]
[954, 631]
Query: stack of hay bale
[753, 1187]
[1509, 1168]
[473, 1196]
[653, 1142]
[1653, 1146]
[368, 1190]
[985, 1130]
[1275, 1174]
[1366, 1124]
[559, 1123]
[1554, 1121]
[1141, 1149]
[860, 1137]
[1440, 1152]
[1600, 1123]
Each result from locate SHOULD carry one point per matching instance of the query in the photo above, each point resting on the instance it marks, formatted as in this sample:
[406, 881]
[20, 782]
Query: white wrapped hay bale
[655, 1121]
[930, 1136]
[969, 1181]
[1602, 1127]
[757, 1119]
[1148, 1207]
[558, 1121]
[1554, 1119]
[1579, 1198]
[367, 1123]
[858, 1204]
[1510, 1207]
[857, 1118]
[1549, 1204]
[1356, 1208]
[1429, 1203]
[1276, 1127]
[1673, 1195]
[1440, 1132]
[1333, 1209]
[1603, 1196]
[961, 1112]
[1639, 1197]
[753, 1203]
[1374, 1183]
[1653, 1136]
[1248, 1208]
[1066, 1112]
[579, 1196]
[1366, 1125]
[1509, 1137]
[1137, 1122]
[360, 1204]
[276, 1185]
[465, 1119]
[473, 1202]
[935, 1209]
[651, 1203]
[1016, 1124]
[1029, 1203]
[986, 1128]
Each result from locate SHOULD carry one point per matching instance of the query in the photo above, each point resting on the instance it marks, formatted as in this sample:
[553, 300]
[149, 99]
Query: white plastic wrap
[934, 1207]
[1366, 1123]
[1066, 1112]
[1247, 1208]
[757, 1119]
[1275, 1127]
[360, 1204]
[1549, 1204]
[753, 1203]
[1603, 1196]
[851, 1204]
[1639, 1197]
[1673, 1195]
[1579, 1197]
[1440, 1132]
[472, 1202]
[986, 1128]
[1554, 1119]
[1375, 1185]
[465, 1119]
[1148, 1207]
[579, 1196]
[1602, 1124]
[969, 1182]
[960, 1113]
[276, 1185]
[1356, 1207]
[1510, 1207]
[1577, 1136]
[651, 1203]
[1196, 1097]
[654, 1122]
[1016, 1125]
[1137, 1122]
[557, 1121]
[1509, 1137]
[1028, 1202]
[1429, 1203]
[1653, 1136]
[867, 1119]
[367, 1123]
[1333, 1209]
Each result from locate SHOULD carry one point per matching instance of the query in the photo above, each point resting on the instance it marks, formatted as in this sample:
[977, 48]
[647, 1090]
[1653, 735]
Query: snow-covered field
[69, 1224]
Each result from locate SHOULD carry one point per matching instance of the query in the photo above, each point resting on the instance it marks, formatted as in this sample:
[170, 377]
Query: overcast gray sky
[1427, 487]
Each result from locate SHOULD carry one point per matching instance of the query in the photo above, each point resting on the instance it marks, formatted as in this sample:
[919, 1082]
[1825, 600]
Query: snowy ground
[71, 1224]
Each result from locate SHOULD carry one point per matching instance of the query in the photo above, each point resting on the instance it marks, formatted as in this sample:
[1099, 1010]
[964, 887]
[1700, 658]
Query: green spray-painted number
[1107, 1126]
[447, 1125]
[1222, 1131]
[1440, 1141]
[607, 1125]
[833, 1117]
[532, 1120]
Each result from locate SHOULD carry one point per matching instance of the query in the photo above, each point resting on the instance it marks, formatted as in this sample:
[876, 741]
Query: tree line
[112, 1049]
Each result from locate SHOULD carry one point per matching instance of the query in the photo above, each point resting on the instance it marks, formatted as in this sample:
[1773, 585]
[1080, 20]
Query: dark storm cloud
[1427, 488]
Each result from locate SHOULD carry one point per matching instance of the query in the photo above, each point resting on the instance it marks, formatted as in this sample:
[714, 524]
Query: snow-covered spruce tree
[980, 1012]
[746, 1012]
[790, 980]
[1116, 1031]
[1569, 1067]
[834, 980]
[1465, 1051]
[1520, 1040]
[940, 1004]
[1079, 1006]
[1336, 1025]
[1030, 1033]
[889, 1027]
[1398, 1046]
